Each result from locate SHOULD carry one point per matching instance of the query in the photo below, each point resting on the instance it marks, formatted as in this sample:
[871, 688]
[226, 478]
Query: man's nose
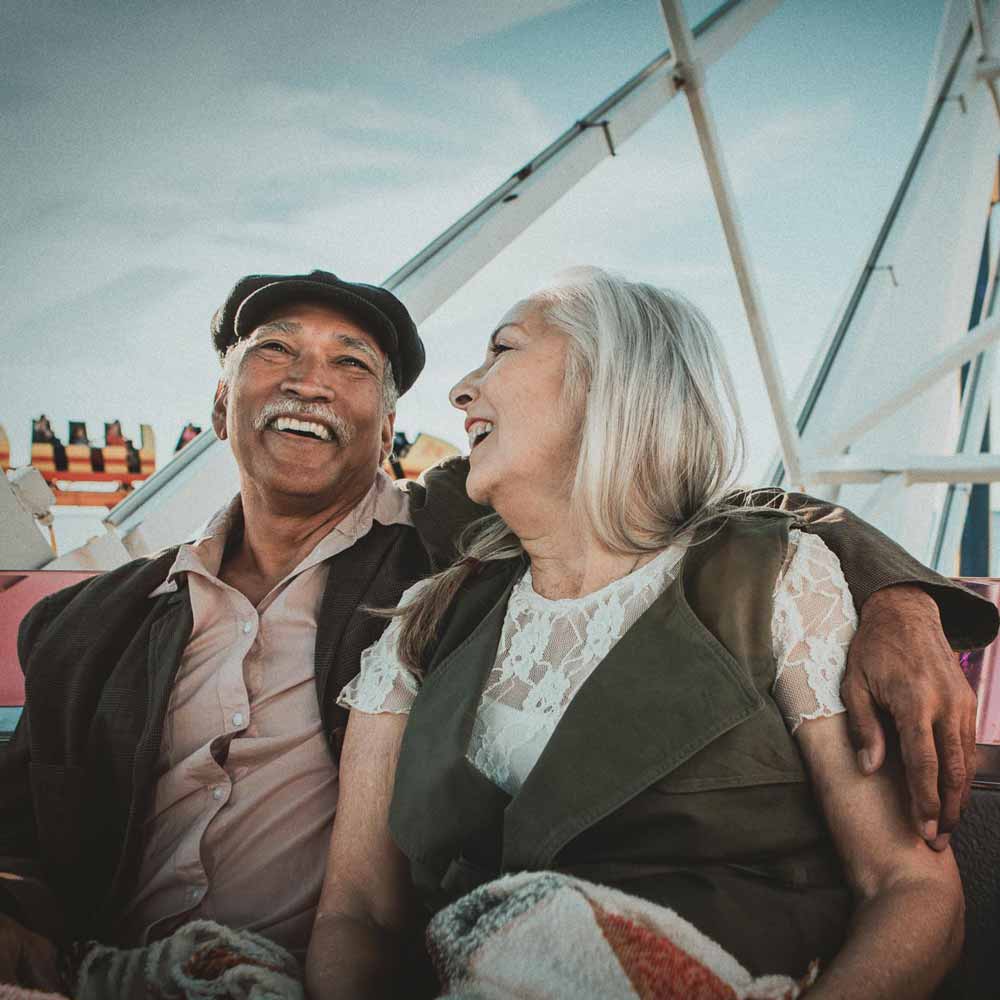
[308, 378]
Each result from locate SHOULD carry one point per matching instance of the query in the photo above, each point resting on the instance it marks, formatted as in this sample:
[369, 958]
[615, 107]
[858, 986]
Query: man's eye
[354, 363]
[273, 345]
[500, 348]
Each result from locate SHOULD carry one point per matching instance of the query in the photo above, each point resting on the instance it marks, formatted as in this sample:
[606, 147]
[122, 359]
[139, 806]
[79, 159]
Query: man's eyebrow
[359, 345]
[279, 326]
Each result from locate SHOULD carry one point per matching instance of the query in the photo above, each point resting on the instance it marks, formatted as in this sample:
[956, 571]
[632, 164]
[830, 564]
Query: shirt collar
[385, 502]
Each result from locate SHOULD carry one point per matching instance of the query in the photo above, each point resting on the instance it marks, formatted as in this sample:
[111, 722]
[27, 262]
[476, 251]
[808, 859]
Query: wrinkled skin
[900, 663]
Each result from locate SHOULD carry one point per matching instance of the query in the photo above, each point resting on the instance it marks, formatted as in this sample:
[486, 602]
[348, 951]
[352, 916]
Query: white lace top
[548, 648]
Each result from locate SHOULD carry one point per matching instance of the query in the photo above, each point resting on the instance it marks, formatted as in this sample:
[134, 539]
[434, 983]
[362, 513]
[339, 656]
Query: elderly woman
[626, 679]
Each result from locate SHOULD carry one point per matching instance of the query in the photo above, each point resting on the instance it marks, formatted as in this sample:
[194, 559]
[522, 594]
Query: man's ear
[219, 407]
[388, 423]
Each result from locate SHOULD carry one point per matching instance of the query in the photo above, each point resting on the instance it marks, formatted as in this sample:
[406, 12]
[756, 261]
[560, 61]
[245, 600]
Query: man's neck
[277, 535]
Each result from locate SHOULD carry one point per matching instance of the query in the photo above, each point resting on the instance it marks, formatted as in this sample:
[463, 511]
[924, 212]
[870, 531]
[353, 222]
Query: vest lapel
[434, 778]
[644, 711]
[168, 635]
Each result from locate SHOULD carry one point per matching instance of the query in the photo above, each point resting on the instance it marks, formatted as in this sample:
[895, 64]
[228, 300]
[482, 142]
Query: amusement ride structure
[915, 340]
[892, 418]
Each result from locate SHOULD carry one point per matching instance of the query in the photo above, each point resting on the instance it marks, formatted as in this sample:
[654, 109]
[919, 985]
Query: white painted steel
[21, 543]
[691, 71]
[912, 469]
[988, 68]
[433, 275]
[891, 333]
[946, 363]
[975, 416]
[152, 517]
[945, 553]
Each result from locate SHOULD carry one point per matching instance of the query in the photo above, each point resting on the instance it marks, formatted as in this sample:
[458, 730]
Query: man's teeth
[478, 431]
[302, 427]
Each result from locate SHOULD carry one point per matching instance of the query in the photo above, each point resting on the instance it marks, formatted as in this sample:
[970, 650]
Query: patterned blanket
[201, 961]
[548, 935]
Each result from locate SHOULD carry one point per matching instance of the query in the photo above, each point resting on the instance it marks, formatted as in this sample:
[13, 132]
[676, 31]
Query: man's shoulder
[131, 576]
[129, 582]
[441, 509]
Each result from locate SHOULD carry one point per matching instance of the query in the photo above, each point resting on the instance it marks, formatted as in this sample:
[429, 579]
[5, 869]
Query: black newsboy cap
[256, 296]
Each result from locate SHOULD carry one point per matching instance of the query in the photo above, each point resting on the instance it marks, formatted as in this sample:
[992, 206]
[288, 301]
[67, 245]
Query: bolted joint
[689, 75]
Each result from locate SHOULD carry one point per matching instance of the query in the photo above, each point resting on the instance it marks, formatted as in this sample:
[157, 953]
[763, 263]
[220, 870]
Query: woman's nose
[463, 392]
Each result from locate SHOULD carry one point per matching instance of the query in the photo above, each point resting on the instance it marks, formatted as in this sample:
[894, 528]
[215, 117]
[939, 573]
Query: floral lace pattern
[548, 648]
[811, 628]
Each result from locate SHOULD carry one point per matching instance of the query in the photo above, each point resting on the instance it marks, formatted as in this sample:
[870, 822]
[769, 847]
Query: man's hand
[901, 662]
[27, 959]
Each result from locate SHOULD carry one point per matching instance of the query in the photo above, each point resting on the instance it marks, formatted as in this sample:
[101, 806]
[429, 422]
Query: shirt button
[217, 793]
[193, 893]
[237, 718]
[248, 627]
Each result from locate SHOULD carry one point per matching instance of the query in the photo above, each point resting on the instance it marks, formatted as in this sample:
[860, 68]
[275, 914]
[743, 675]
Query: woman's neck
[567, 559]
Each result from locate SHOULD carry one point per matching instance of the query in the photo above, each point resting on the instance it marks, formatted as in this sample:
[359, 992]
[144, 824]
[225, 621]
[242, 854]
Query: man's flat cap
[257, 296]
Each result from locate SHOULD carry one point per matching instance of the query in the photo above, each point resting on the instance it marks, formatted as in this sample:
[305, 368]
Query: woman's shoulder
[754, 538]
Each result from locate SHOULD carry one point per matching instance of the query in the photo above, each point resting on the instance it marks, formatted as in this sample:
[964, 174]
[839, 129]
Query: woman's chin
[477, 486]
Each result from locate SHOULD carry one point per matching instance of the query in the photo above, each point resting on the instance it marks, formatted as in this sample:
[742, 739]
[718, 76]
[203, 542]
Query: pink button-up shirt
[247, 790]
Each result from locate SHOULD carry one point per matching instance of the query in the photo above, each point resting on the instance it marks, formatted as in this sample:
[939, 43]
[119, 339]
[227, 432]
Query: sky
[154, 152]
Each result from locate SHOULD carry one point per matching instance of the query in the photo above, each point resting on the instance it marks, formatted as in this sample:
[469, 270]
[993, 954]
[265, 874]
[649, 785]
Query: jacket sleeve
[872, 560]
[441, 510]
[24, 893]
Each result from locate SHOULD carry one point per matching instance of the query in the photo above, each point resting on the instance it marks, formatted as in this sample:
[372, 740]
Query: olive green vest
[671, 774]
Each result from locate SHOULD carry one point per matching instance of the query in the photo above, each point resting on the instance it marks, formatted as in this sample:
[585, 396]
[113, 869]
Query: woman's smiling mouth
[478, 431]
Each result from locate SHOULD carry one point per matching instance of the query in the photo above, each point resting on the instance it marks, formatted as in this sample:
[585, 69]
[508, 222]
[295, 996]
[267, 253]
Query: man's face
[303, 408]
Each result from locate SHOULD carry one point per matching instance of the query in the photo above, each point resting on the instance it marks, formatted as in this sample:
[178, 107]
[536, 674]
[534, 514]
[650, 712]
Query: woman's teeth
[478, 431]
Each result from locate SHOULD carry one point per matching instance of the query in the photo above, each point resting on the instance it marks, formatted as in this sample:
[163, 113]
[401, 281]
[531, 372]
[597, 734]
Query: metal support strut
[689, 73]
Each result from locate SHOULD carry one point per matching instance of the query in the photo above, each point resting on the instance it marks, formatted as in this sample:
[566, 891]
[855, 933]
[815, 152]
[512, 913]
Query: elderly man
[177, 756]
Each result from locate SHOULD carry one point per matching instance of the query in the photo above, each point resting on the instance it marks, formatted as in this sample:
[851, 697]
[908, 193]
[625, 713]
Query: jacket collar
[613, 741]
[615, 738]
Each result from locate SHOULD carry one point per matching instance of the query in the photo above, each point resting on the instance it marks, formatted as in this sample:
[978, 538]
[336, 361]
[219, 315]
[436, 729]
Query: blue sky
[155, 152]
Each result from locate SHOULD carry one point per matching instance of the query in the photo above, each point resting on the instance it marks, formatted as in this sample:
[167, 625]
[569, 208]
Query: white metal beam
[189, 483]
[989, 68]
[976, 399]
[965, 349]
[434, 274]
[980, 468]
[689, 69]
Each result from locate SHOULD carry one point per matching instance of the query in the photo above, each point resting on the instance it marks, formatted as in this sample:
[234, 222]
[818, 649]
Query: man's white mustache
[342, 431]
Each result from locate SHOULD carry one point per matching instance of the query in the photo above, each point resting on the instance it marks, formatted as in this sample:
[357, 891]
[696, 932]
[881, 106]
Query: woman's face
[523, 430]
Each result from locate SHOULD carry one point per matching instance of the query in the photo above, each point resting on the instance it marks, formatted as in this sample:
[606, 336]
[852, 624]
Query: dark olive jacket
[671, 775]
[100, 658]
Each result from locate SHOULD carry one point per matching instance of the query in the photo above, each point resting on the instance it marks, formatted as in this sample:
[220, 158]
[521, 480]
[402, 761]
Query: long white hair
[661, 441]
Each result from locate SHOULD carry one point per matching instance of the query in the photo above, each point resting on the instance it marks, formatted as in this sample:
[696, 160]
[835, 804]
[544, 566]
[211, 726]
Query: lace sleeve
[384, 684]
[813, 623]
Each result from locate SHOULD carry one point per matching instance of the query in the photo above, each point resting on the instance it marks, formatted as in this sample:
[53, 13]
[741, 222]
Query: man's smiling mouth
[302, 428]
